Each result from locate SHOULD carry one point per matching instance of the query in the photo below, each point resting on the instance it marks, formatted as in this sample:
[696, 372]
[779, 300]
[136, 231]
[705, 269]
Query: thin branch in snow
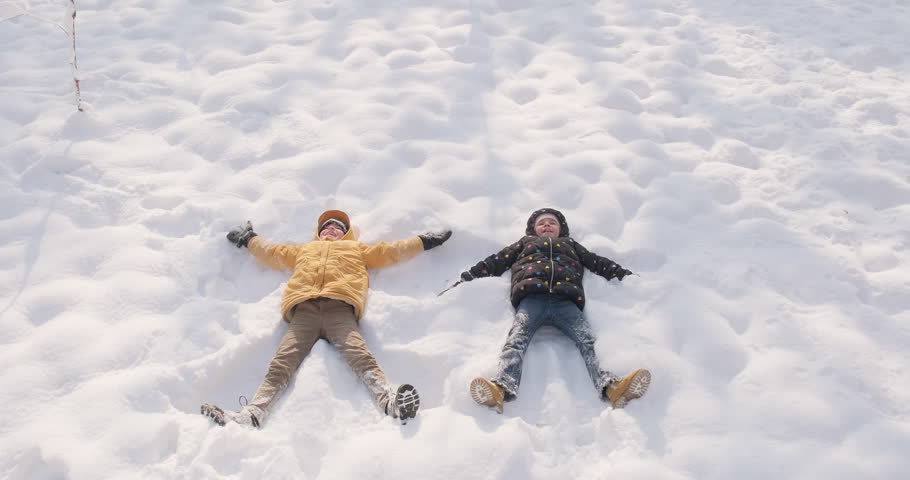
[71, 32]
[74, 62]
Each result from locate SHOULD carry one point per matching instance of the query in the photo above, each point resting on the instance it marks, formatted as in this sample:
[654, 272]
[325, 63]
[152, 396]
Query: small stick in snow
[451, 287]
[71, 31]
[74, 63]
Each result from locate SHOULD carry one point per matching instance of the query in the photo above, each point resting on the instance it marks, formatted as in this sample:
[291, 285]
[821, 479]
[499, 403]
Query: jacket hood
[563, 226]
[341, 217]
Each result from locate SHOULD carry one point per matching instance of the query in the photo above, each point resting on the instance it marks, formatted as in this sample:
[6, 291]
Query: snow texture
[748, 159]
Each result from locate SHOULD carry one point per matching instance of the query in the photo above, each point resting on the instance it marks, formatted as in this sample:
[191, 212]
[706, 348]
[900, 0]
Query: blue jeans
[533, 312]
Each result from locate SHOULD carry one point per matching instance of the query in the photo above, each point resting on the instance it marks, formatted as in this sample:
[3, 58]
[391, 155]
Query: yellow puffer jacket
[334, 269]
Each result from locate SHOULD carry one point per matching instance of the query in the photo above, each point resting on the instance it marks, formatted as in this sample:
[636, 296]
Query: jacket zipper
[322, 264]
[552, 265]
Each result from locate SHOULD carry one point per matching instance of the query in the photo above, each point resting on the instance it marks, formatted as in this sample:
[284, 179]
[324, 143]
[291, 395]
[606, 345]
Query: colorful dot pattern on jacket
[545, 264]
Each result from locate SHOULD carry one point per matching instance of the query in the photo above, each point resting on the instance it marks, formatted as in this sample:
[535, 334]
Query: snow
[749, 160]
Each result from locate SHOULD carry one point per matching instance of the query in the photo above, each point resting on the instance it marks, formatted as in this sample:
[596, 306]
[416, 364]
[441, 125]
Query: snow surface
[748, 159]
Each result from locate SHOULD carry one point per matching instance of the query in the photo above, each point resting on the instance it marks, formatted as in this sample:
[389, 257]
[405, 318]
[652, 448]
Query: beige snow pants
[334, 321]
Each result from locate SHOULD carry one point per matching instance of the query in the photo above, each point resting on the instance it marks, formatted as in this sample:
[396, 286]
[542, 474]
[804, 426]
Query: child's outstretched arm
[492, 266]
[385, 253]
[602, 266]
[272, 256]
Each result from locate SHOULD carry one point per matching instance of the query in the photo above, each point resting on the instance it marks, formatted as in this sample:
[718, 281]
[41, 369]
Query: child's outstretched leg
[342, 331]
[296, 344]
[504, 384]
[572, 322]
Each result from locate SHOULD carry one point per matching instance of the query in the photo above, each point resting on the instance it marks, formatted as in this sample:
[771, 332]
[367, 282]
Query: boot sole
[636, 389]
[407, 402]
[218, 415]
[482, 393]
[213, 412]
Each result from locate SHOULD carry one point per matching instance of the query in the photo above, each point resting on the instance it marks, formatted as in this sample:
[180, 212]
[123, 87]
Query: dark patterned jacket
[552, 265]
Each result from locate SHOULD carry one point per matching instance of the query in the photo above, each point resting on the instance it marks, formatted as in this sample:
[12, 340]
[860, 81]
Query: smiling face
[331, 232]
[546, 226]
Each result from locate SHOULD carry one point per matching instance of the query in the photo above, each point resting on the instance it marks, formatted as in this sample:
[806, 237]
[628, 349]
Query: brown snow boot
[487, 393]
[633, 386]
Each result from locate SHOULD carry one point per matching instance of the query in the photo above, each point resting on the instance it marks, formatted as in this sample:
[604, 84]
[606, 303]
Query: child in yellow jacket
[325, 298]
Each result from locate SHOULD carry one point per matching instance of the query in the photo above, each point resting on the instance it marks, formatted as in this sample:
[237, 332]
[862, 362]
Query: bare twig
[74, 62]
[451, 287]
[72, 34]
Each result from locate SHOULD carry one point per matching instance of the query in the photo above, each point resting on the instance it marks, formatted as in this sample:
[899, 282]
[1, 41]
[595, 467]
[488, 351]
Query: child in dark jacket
[547, 266]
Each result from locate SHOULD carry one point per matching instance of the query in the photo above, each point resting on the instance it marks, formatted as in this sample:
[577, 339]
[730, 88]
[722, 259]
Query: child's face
[331, 232]
[546, 227]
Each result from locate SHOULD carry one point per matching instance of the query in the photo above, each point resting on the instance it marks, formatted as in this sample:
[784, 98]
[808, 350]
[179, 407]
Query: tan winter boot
[248, 416]
[631, 387]
[487, 393]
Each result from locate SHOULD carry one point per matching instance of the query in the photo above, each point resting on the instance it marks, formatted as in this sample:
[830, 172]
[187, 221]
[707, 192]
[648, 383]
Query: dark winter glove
[241, 235]
[622, 272]
[434, 239]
